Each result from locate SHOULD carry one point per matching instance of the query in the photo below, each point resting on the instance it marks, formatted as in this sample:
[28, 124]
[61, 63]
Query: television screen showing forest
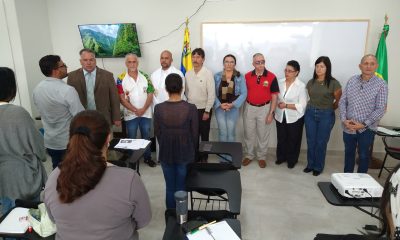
[110, 40]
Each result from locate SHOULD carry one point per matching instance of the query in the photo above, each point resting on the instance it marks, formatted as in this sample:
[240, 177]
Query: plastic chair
[392, 148]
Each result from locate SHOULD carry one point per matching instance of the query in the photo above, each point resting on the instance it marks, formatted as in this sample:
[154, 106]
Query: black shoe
[316, 173]
[150, 162]
[291, 165]
[277, 162]
[307, 170]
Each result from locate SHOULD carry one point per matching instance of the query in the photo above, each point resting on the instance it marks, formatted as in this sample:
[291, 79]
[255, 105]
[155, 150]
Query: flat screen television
[110, 40]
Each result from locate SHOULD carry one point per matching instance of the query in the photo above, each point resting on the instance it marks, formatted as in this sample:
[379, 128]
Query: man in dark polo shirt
[262, 92]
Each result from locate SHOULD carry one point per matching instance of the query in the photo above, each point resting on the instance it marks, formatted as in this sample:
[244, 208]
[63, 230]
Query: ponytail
[84, 163]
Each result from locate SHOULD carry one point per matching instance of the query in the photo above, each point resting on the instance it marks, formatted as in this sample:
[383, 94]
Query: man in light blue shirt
[57, 103]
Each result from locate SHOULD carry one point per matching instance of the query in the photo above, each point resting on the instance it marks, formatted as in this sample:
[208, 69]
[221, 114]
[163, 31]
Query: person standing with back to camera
[324, 91]
[176, 127]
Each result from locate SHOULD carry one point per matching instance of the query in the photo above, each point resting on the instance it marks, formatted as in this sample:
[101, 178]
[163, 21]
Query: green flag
[381, 55]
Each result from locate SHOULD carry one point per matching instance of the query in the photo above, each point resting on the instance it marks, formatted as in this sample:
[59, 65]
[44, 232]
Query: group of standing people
[77, 140]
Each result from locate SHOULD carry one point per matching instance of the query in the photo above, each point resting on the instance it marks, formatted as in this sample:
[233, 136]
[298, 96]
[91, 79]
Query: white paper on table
[14, 222]
[216, 231]
[133, 144]
[388, 131]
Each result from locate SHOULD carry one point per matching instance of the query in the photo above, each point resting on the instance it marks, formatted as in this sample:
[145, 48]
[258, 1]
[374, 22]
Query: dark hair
[8, 84]
[229, 55]
[385, 203]
[173, 83]
[294, 64]
[328, 74]
[86, 50]
[83, 165]
[48, 63]
[199, 51]
[235, 72]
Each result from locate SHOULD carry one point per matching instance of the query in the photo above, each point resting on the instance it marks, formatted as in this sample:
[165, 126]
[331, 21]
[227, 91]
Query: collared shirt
[296, 94]
[136, 92]
[200, 88]
[363, 101]
[260, 92]
[158, 80]
[57, 103]
[90, 80]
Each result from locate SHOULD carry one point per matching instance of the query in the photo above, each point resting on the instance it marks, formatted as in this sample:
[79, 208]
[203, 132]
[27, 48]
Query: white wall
[35, 40]
[156, 18]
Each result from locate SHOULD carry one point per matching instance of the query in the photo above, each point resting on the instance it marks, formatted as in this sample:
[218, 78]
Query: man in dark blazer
[96, 87]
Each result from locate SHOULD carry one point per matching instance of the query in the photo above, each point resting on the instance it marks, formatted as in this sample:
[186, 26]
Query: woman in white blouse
[289, 115]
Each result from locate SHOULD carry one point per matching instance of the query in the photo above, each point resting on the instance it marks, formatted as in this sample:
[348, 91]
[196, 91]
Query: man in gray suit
[96, 87]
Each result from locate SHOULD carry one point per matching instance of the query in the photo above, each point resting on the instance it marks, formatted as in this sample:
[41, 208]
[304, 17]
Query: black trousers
[204, 132]
[289, 141]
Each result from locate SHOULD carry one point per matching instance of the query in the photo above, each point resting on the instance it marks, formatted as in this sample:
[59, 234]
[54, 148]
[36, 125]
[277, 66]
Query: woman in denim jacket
[231, 92]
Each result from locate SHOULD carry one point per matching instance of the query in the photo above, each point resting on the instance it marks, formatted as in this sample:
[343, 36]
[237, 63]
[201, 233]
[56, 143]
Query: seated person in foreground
[22, 174]
[87, 197]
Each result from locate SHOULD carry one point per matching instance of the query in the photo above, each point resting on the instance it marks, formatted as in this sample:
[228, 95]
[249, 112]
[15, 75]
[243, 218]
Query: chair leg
[383, 166]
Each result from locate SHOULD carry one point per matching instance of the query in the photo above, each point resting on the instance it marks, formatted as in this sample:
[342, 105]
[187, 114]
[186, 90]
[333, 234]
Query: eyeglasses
[262, 62]
[258, 79]
[289, 71]
[62, 66]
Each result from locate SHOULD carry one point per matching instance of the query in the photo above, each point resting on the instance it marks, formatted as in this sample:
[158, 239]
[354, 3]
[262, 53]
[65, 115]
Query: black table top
[233, 149]
[333, 197]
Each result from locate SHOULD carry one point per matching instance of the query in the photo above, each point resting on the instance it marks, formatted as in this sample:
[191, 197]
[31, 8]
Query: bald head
[368, 66]
[364, 58]
[166, 59]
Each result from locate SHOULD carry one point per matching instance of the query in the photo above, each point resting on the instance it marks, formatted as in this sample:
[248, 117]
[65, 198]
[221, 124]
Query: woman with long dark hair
[324, 92]
[176, 128]
[87, 197]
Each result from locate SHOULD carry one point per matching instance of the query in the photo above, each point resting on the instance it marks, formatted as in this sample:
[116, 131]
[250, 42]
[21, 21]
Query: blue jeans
[6, 204]
[364, 140]
[227, 124]
[319, 123]
[175, 180]
[56, 156]
[143, 124]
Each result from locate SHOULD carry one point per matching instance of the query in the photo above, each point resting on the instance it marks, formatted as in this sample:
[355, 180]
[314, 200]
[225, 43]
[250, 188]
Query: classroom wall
[158, 18]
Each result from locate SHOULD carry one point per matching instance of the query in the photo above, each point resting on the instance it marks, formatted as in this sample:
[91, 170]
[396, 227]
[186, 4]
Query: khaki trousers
[256, 131]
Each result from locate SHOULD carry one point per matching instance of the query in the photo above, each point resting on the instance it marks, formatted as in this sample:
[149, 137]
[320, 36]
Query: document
[216, 231]
[388, 131]
[16, 221]
[133, 144]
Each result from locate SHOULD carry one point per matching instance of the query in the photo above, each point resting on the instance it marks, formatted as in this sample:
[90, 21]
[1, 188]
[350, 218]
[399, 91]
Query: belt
[258, 105]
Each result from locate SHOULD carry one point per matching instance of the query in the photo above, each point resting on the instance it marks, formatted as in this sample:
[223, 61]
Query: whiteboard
[343, 42]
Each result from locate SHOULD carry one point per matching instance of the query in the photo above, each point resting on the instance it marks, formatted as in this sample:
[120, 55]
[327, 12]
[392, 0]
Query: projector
[356, 185]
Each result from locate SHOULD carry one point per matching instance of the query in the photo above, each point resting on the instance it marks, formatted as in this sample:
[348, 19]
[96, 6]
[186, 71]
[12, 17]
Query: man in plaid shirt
[362, 105]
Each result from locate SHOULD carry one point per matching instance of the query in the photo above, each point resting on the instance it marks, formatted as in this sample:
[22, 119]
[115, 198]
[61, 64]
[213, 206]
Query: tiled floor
[277, 202]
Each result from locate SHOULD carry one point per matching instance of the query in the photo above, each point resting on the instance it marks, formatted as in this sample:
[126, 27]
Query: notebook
[216, 231]
[16, 221]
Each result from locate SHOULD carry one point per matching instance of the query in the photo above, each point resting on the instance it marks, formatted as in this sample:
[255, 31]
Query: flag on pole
[381, 54]
[186, 60]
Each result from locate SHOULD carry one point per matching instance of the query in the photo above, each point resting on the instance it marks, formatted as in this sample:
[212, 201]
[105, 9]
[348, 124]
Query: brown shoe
[246, 162]
[262, 163]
